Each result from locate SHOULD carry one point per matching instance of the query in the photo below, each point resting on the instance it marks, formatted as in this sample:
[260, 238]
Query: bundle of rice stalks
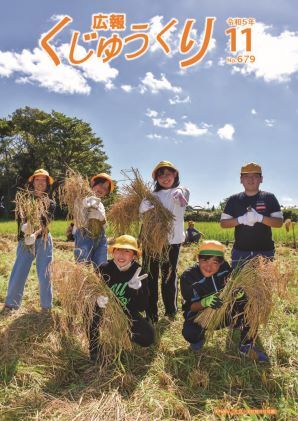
[72, 193]
[258, 278]
[77, 288]
[157, 223]
[290, 225]
[32, 210]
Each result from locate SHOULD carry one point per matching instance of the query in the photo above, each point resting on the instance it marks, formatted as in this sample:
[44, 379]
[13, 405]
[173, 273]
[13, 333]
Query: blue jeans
[239, 257]
[90, 250]
[24, 259]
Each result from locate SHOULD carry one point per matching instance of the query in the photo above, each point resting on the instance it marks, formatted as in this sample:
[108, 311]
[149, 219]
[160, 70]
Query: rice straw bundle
[258, 278]
[32, 210]
[77, 287]
[289, 224]
[157, 223]
[72, 193]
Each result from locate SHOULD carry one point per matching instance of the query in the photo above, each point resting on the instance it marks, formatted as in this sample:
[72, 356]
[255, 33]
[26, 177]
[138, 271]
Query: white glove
[74, 230]
[257, 216]
[179, 196]
[145, 206]
[135, 282]
[91, 202]
[24, 228]
[29, 240]
[244, 220]
[102, 301]
[95, 213]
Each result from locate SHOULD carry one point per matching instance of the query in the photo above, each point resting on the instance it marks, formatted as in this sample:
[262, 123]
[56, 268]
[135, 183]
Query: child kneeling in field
[124, 276]
[200, 288]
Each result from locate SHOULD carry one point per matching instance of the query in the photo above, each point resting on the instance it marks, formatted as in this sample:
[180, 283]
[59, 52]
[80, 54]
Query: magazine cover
[148, 209]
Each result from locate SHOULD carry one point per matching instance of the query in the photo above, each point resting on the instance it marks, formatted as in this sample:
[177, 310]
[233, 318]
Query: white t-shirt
[177, 235]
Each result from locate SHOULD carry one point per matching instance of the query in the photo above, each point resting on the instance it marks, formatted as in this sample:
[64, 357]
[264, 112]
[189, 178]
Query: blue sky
[208, 119]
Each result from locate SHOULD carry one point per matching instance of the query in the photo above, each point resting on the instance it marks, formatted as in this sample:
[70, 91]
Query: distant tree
[31, 138]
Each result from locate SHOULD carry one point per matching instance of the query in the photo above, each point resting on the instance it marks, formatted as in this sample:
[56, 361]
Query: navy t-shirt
[258, 237]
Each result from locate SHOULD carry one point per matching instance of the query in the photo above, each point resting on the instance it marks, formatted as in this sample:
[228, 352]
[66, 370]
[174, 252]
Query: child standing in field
[174, 198]
[200, 288]
[37, 245]
[128, 282]
[92, 248]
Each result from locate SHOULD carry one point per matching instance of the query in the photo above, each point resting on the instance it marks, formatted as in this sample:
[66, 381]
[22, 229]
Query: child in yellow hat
[94, 248]
[200, 288]
[37, 245]
[252, 213]
[127, 280]
[175, 198]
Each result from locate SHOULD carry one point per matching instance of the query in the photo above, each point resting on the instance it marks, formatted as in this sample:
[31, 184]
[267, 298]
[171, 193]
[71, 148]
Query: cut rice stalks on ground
[155, 225]
[77, 288]
[72, 193]
[259, 278]
[32, 210]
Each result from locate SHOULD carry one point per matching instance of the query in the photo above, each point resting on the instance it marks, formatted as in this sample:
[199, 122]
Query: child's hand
[212, 301]
[246, 219]
[102, 301]
[96, 214]
[30, 239]
[135, 282]
[145, 206]
[24, 228]
[179, 196]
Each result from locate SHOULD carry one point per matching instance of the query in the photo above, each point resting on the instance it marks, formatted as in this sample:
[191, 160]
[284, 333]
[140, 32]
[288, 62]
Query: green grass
[212, 230]
[45, 375]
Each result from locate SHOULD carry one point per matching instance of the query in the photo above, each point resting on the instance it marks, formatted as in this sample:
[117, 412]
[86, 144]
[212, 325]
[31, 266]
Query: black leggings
[169, 287]
[142, 331]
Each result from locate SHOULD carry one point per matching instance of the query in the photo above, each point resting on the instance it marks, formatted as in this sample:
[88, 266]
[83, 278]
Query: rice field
[211, 230]
[45, 373]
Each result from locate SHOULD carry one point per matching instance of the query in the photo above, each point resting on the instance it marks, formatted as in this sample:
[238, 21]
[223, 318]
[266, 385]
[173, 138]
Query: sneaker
[250, 351]
[197, 346]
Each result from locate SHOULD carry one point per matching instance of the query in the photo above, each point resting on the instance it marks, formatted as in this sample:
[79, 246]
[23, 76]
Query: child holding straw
[175, 198]
[200, 287]
[252, 213]
[89, 247]
[124, 276]
[37, 245]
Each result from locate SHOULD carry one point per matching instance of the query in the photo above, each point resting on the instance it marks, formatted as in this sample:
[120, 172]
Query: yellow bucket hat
[106, 177]
[211, 248]
[162, 164]
[125, 242]
[41, 171]
[251, 167]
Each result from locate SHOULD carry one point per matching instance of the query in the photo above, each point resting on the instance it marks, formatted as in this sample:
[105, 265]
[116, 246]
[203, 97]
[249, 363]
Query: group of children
[136, 286]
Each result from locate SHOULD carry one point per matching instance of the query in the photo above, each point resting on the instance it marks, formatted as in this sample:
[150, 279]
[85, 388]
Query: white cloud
[178, 100]
[127, 88]
[156, 25]
[276, 56]
[270, 122]
[151, 113]
[165, 123]
[226, 132]
[288, 201]
[156, 85]
[253, 111]
[221, 62]
[35, 67]
[154, 136]
[191, 129]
